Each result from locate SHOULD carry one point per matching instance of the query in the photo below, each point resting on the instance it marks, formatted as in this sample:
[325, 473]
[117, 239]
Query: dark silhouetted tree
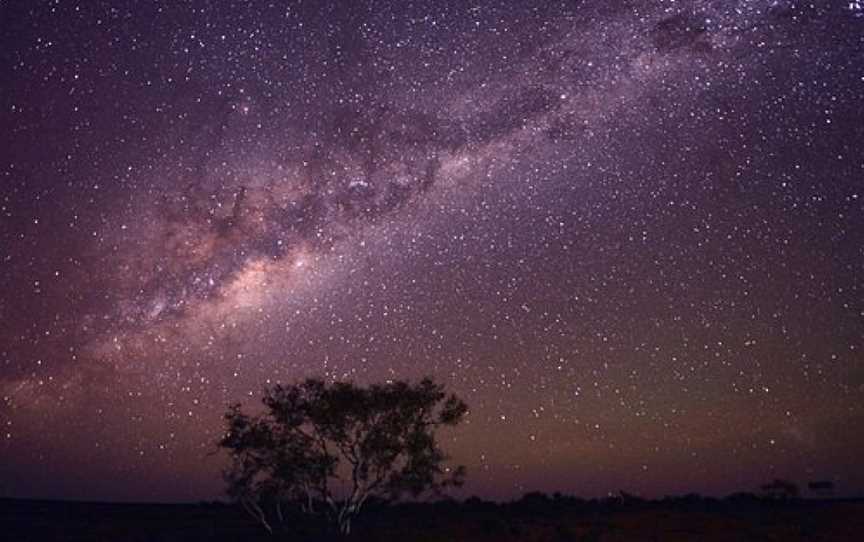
[821, 488]
[780, 489]
[325, 449]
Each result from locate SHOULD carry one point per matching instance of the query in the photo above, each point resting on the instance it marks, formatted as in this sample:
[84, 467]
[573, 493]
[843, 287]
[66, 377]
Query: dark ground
[535, 518]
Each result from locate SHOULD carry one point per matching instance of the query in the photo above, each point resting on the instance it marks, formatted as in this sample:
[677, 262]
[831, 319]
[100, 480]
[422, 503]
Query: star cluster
[629, 234]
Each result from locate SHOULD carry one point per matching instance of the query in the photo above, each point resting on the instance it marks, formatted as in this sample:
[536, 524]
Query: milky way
[630, 234]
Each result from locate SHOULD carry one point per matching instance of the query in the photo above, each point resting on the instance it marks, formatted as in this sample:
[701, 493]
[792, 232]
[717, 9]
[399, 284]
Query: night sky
[629, 234]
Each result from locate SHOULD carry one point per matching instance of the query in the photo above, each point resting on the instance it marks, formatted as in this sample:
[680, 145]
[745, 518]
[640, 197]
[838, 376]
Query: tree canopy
[326, 448]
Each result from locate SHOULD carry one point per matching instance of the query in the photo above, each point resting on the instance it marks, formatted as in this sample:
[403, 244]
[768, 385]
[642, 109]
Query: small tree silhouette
[821, 488]
[327, 448]
[780, 489]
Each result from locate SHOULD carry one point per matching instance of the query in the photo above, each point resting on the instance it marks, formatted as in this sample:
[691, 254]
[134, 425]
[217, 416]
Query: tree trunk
[256, 512]
[345, 525]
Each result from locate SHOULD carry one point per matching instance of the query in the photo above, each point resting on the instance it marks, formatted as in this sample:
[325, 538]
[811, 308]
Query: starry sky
[629, 234]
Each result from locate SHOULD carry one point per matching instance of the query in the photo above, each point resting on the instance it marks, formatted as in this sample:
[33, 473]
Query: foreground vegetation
[534, 518]
[325, 449]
